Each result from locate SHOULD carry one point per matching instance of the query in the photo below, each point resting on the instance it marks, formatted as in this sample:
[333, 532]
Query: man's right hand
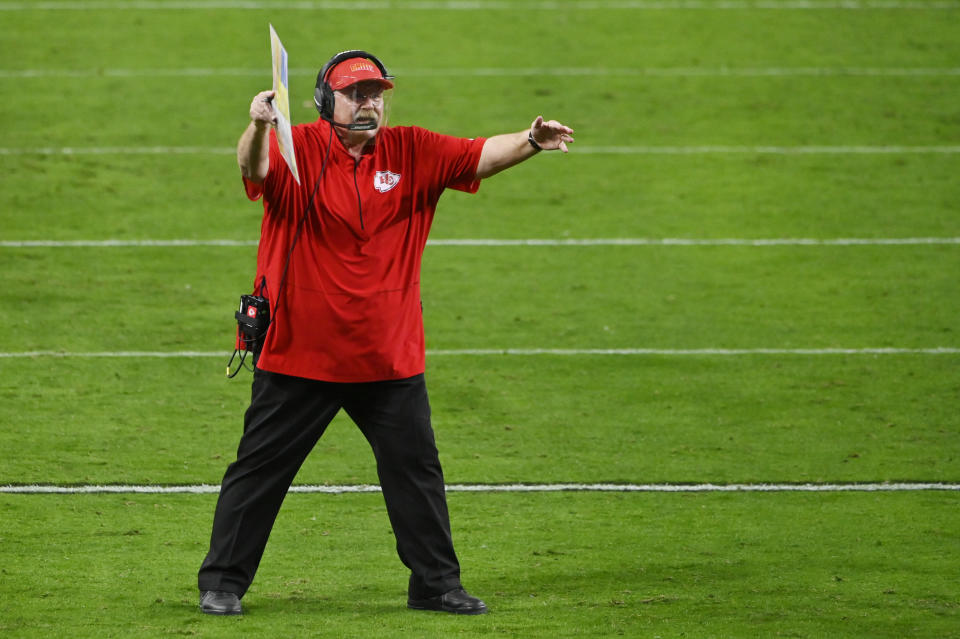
[261, 109]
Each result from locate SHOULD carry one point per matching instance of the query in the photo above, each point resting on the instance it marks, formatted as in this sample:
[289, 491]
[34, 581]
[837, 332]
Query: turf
[588, 196]
[501, 419]
[605, 297]
[562, 565]
[658, 81]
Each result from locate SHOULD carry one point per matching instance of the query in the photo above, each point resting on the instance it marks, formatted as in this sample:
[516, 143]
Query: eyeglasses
[360, 96]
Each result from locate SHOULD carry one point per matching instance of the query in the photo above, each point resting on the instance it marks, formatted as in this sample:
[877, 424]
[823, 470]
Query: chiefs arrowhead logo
[383, 181]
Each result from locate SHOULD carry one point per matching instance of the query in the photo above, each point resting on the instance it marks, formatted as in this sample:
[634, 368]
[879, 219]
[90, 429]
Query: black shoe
[217, 602]
[456, 601]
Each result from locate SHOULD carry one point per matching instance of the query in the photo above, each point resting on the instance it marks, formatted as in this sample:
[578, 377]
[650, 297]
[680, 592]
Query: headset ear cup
[318, 100]
[326, 101]
[323, 93]
[319, 96]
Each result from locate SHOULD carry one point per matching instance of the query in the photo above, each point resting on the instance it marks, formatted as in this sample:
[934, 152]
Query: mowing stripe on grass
[665, 72]
[695, 352]
[205, 489]
[587, 150]
[621, 241]
[479, 5]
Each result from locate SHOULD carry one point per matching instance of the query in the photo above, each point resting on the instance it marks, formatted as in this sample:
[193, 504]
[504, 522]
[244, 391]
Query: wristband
[533, 142]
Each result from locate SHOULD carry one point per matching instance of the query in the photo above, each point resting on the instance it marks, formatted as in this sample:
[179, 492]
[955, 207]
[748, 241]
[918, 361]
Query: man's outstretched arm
[503, 151]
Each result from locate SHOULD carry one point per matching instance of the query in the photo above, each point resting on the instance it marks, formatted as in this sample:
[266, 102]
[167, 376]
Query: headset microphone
[356, 126]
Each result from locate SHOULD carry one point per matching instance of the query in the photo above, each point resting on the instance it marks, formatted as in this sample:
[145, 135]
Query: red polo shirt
[350, 306]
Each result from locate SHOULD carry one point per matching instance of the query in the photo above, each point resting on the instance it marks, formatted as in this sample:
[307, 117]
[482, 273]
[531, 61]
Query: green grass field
[696, 352]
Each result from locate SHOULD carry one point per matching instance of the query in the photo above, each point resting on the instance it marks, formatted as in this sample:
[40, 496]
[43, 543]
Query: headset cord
[286, 266]
[303, 218]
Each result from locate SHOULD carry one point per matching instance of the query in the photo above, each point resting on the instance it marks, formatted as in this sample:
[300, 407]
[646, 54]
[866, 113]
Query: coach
[339, 260]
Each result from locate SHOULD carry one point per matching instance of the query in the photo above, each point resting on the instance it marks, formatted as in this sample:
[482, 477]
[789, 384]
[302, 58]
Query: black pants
[286, 418]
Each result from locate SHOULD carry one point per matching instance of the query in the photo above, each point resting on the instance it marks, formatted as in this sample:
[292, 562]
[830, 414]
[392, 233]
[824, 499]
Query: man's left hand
[550, 134]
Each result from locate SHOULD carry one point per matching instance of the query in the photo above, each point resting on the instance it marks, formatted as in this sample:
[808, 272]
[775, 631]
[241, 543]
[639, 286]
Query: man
[339, 261]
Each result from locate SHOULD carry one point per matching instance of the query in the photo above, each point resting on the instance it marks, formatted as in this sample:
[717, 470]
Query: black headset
[323, 94]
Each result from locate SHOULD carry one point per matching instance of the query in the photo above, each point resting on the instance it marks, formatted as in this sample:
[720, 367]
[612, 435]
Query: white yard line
[698, 351]
[947, 149]
[120, 150]
[123, 243]
[480, 5]
[642, 241]
[768, 150]
[507, 242]
[205, 489]
[528, 352]
[459, 72]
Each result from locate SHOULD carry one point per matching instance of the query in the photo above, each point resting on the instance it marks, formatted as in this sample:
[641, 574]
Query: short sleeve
[255, 190]
[454, 159]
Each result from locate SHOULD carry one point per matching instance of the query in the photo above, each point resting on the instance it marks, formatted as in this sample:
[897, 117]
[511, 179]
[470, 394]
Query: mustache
[365, 114]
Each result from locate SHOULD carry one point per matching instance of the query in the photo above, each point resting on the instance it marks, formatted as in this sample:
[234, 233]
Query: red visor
[355, 70]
